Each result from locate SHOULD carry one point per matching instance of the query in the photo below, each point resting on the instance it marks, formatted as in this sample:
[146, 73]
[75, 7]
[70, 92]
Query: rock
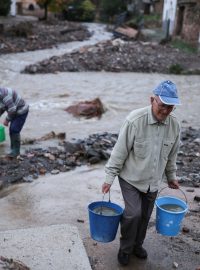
[88, 109]
[11, 264]
[80, 220]
[175, 265]
[185, 229]
[73, 147]
[61, 136]
[55, 172]
[94, 160]
[127, 32]
[42, 171]
[49, 156]
[197, 198]
[197, 140]
[28, 179]
[190, 190]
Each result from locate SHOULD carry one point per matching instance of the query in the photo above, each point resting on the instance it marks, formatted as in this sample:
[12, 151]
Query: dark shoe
[12, 155]
[140, 252]
[123, 258]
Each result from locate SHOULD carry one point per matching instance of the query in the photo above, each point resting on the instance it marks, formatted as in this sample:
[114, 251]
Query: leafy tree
[44, 4]
[112, 7]
[5, 7]
[88, 10]
[80, 10]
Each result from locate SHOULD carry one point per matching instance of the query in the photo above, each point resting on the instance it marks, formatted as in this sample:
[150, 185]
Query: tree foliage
[112, 7]
[5, 7]
[80, 10]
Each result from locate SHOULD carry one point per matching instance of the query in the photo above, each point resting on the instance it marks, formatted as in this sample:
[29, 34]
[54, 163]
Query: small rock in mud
[175, 265]
[11, 264]
[197, 198]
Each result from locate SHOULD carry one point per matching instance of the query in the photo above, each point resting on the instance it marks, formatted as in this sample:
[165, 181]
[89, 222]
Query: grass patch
[152, 17]
[184, 46]
[176, 69]
[152, 21]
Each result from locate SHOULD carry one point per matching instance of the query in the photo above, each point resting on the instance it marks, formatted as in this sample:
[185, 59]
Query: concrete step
[54, 247]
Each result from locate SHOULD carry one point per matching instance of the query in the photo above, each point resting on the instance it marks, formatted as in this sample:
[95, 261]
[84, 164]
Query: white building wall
[169, 14]
[13, 8]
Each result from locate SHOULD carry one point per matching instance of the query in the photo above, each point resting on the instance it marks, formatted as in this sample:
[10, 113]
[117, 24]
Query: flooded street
[64, 198]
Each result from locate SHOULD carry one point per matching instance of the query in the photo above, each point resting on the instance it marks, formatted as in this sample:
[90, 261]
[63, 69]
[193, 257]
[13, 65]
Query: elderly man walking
[17, 111]
[145, 152]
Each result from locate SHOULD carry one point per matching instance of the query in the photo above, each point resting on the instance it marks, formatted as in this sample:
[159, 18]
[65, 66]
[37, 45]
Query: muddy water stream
[52, 199]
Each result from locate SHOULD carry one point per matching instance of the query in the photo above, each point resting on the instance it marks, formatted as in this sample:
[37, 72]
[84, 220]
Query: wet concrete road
[64, 198]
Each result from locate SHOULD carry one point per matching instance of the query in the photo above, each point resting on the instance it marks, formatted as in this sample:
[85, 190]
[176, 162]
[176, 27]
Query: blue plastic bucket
[104, 228]
[168, 222]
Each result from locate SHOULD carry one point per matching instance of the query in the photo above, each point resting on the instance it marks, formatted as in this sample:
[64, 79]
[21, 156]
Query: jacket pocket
[141, 149]
[166, 148]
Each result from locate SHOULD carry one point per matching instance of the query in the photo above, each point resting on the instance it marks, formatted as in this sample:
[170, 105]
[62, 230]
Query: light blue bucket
[168, 222]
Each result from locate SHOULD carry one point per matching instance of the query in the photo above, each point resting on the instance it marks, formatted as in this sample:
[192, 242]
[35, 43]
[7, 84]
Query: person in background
[145, 151]
[17, 111]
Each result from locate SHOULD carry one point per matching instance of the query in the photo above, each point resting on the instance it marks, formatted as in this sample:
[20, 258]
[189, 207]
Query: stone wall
[190, 28]
[158, 6]
[191, 25]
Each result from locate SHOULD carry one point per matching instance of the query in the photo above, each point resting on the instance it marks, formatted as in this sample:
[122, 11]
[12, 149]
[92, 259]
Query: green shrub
[88, 11]
[79, 10]
[176, 69]
[5, 7]
[110, 8]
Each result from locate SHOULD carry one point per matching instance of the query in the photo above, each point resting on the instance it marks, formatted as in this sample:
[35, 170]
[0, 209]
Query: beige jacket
[145, 151]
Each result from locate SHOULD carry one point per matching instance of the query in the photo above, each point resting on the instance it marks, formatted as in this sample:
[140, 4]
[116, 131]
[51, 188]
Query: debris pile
[94, 149]
[188, 158]
[66, 156]
[120, 56]
[30, 36]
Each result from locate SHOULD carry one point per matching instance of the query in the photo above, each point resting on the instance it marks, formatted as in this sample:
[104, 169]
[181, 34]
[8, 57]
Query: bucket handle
[178, 189]
[108, 197]
[103, 200]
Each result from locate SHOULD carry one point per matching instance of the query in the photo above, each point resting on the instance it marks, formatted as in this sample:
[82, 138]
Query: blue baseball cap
[167, 92]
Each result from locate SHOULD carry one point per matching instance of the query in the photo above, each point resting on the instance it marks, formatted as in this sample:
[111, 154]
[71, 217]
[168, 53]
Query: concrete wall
[169, 14]
[13, 8]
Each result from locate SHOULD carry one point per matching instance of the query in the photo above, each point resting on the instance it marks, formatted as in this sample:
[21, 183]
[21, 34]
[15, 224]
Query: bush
[176, 69]
[110, 8]
[5, 7]
[80, 10]
[88, 10]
